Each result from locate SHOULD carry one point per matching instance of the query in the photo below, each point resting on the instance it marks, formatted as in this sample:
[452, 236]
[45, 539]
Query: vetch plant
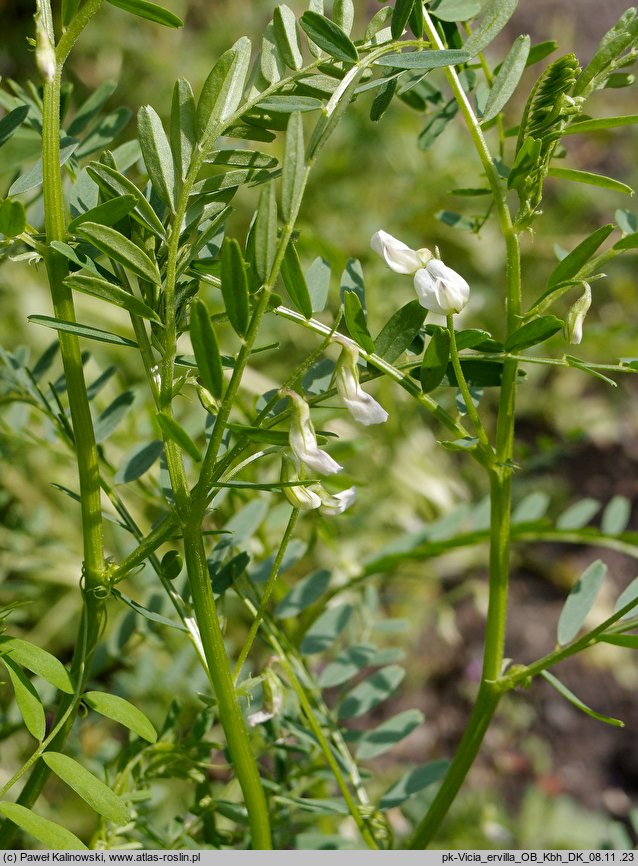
[144, 230]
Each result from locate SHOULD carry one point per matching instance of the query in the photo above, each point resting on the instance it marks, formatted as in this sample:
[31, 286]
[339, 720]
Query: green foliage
[265, 628]
[52, 835]
[94, 792]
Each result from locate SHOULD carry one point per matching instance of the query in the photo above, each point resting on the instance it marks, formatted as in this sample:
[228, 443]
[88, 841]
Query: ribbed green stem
[86, 450]
[230, 715]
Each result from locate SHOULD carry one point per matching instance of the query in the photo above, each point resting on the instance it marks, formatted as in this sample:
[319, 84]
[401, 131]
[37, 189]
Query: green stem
[486, 703]
[76, 26]
[230, 714]
[500, 476]
[283, 653]
[87, 456]
[464, 389]
[265, 598]
[522, 674]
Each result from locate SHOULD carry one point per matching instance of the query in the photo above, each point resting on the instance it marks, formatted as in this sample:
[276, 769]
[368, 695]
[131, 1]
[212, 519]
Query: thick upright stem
[230, 713]
[57, 268]
[86, 450]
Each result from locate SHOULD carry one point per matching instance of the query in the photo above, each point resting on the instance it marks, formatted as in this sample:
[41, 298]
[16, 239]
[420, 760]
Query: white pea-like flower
[439, 288]
[303, 439]
[313, 496]
[361, 405]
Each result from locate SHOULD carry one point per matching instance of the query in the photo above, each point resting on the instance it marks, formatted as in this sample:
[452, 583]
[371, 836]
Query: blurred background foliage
[547, 777]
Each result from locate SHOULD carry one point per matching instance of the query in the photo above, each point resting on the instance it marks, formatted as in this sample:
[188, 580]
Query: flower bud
[361, 406]
[44, 52]
[398, 255]
[303, 439]
[576, 317]
[440, 289]
[209, 403]
[272, 699]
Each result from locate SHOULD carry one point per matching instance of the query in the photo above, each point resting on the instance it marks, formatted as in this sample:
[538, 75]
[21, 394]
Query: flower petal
[398, 256]
[365, 409]
[332, 505]
[303, 439]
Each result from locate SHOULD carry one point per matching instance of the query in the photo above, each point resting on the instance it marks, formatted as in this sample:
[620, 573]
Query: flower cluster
[305, 452]
[439, 289]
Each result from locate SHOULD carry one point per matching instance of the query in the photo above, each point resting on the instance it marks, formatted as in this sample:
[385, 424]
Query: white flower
[361, 406]
[331, 505]
[309, 498]
[576, 317]
[299, 496]
[439, 289]
[303, 439]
